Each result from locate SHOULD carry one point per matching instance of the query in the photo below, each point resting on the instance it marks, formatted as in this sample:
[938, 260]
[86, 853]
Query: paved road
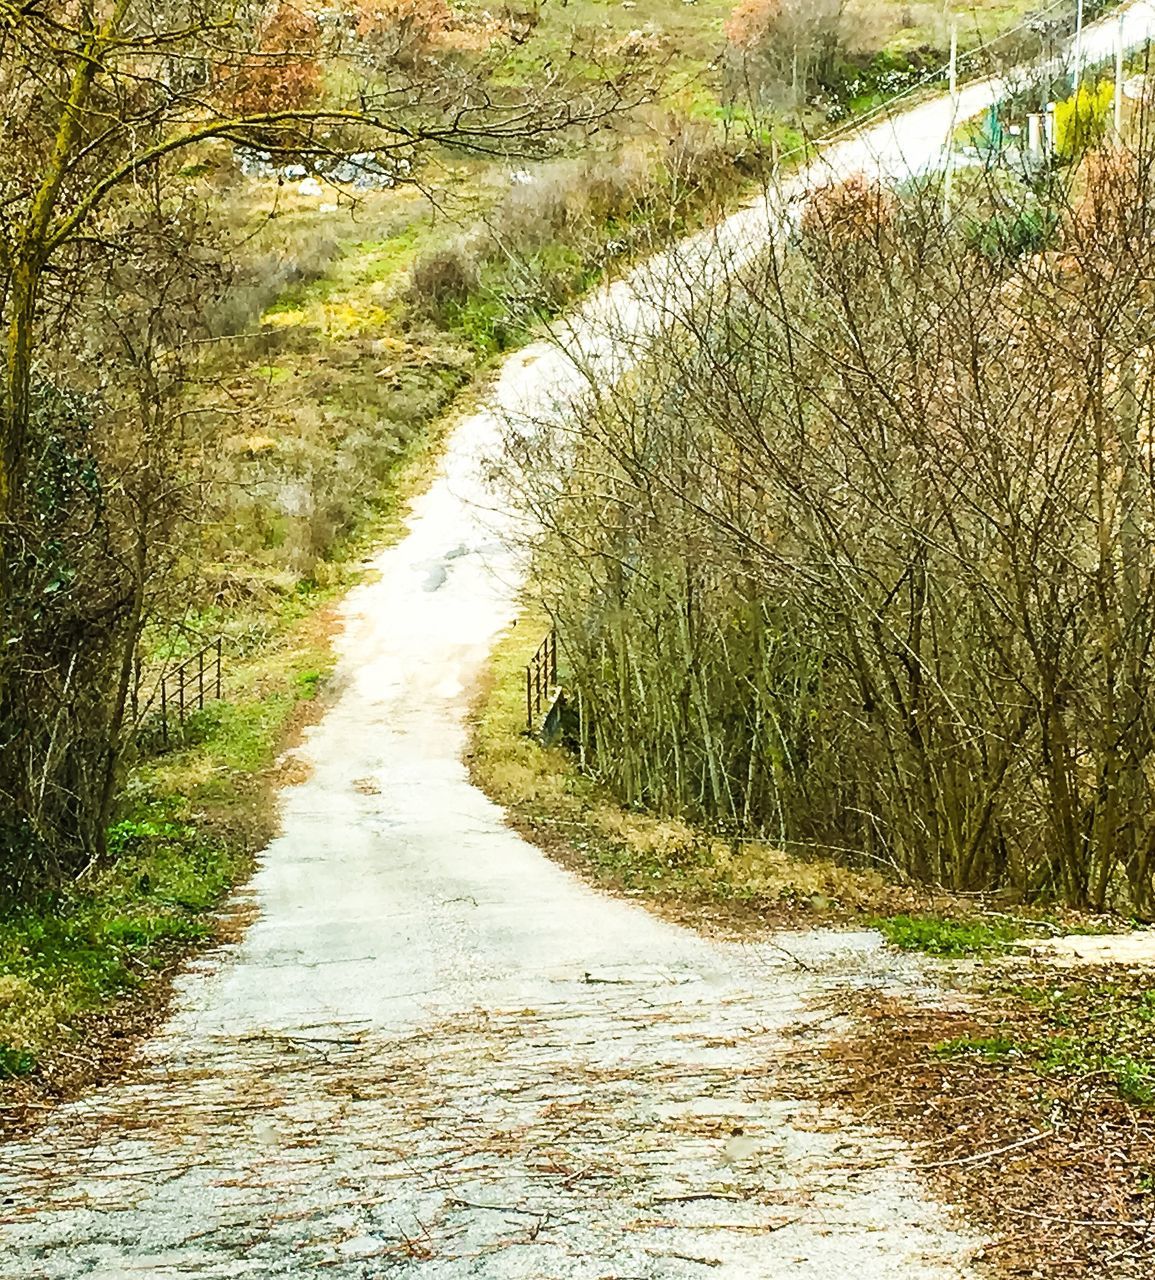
[437, 1054]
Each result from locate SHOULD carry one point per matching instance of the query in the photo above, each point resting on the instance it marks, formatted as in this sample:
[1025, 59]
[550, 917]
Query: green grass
[1076, 1030]
[190, 821]
[1099, 1028]
[948, 937]
[988, 1048]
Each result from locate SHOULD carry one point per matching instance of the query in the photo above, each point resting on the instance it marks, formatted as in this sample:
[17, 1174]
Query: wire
[883, 109]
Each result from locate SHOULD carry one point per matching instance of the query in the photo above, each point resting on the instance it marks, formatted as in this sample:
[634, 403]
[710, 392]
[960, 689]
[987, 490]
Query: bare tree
[862, 559]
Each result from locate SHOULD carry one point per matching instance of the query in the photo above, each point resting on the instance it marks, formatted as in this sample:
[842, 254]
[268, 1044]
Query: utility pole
[1078, 47]
[1119, 79]
[948, 181]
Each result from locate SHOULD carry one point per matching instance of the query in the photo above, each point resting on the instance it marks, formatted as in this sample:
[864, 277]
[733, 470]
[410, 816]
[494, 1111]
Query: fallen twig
[690, 1196]
[979, 1156]
[498, 1208]
[685, 1257]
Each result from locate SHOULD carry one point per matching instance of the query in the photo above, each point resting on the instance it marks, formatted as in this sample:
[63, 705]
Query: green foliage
[72, 953]
[989, 1048]
[1082, 120]
[1010, 235]
[943, 936]
[1099, 1029]
[15, 1063]
[1078, 1031]
[189, 821]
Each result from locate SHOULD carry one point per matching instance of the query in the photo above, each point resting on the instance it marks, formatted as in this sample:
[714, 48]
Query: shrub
[284, 73]
[751, 22]
[445, 275]
[785, 49]
[1081, 120]
[856, 210]
[1113, 196]
[1009, 235]
[402, 31]
[270, 277]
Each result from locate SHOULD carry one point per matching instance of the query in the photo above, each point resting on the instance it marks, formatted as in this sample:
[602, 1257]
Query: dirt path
[435, 1052]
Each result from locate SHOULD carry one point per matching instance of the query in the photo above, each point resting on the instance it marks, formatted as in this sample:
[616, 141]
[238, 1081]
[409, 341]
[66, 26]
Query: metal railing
[540, 681]
[186, 688]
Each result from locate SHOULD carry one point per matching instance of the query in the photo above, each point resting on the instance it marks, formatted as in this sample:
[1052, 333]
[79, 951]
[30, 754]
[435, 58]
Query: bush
[444, 276]
[1082, 120]
[1009, 235]
[860, 209]
[271, 277]
[751, 22]
[402, 32]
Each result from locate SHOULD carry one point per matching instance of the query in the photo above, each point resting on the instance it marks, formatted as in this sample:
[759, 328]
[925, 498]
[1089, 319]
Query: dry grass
[1027, 1095]
[685, 873]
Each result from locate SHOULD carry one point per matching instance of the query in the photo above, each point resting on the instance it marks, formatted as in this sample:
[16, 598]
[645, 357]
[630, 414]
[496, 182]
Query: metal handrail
[540, 680]
[184, 687]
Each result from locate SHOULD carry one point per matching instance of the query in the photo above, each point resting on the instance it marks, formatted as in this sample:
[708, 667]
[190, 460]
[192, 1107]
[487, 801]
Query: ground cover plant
[1028, 1091]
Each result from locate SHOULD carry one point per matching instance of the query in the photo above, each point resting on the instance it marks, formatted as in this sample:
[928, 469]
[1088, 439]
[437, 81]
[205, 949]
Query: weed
[990, 1048]
[947, 937]
[15, 1063]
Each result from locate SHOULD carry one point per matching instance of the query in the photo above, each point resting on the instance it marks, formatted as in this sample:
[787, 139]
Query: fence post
[180, 694]
[201, 681]
[529, 698]
[218, 668]
[164, 710]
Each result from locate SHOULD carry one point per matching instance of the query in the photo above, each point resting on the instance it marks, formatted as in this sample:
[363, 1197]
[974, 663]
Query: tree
[861, 560]
[284, 72]
[786, 50]
[104, 106]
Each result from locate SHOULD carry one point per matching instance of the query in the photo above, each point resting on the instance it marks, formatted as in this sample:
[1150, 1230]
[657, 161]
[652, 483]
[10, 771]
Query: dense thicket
[863, 557]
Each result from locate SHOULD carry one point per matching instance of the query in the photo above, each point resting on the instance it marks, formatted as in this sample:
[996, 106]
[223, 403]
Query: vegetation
[190, 822]
[951, 938]
[559, 228]
[1031, 1100]
[809, 580]
[687, 872]
[218, 378]
[1080, 1030]
[107, 257]
[1083, 119]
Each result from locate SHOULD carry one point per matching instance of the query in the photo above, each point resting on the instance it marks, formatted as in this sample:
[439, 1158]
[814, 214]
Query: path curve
[437, 1054]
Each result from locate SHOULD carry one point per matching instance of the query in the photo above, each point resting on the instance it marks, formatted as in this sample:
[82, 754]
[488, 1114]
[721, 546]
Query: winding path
[437, 1054]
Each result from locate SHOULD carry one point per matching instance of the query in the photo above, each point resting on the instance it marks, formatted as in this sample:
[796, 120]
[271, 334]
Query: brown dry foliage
[1112, 185]
[421, 24]
[1068, 1202]
[849, 212]
[285, 72]
[751, 22]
